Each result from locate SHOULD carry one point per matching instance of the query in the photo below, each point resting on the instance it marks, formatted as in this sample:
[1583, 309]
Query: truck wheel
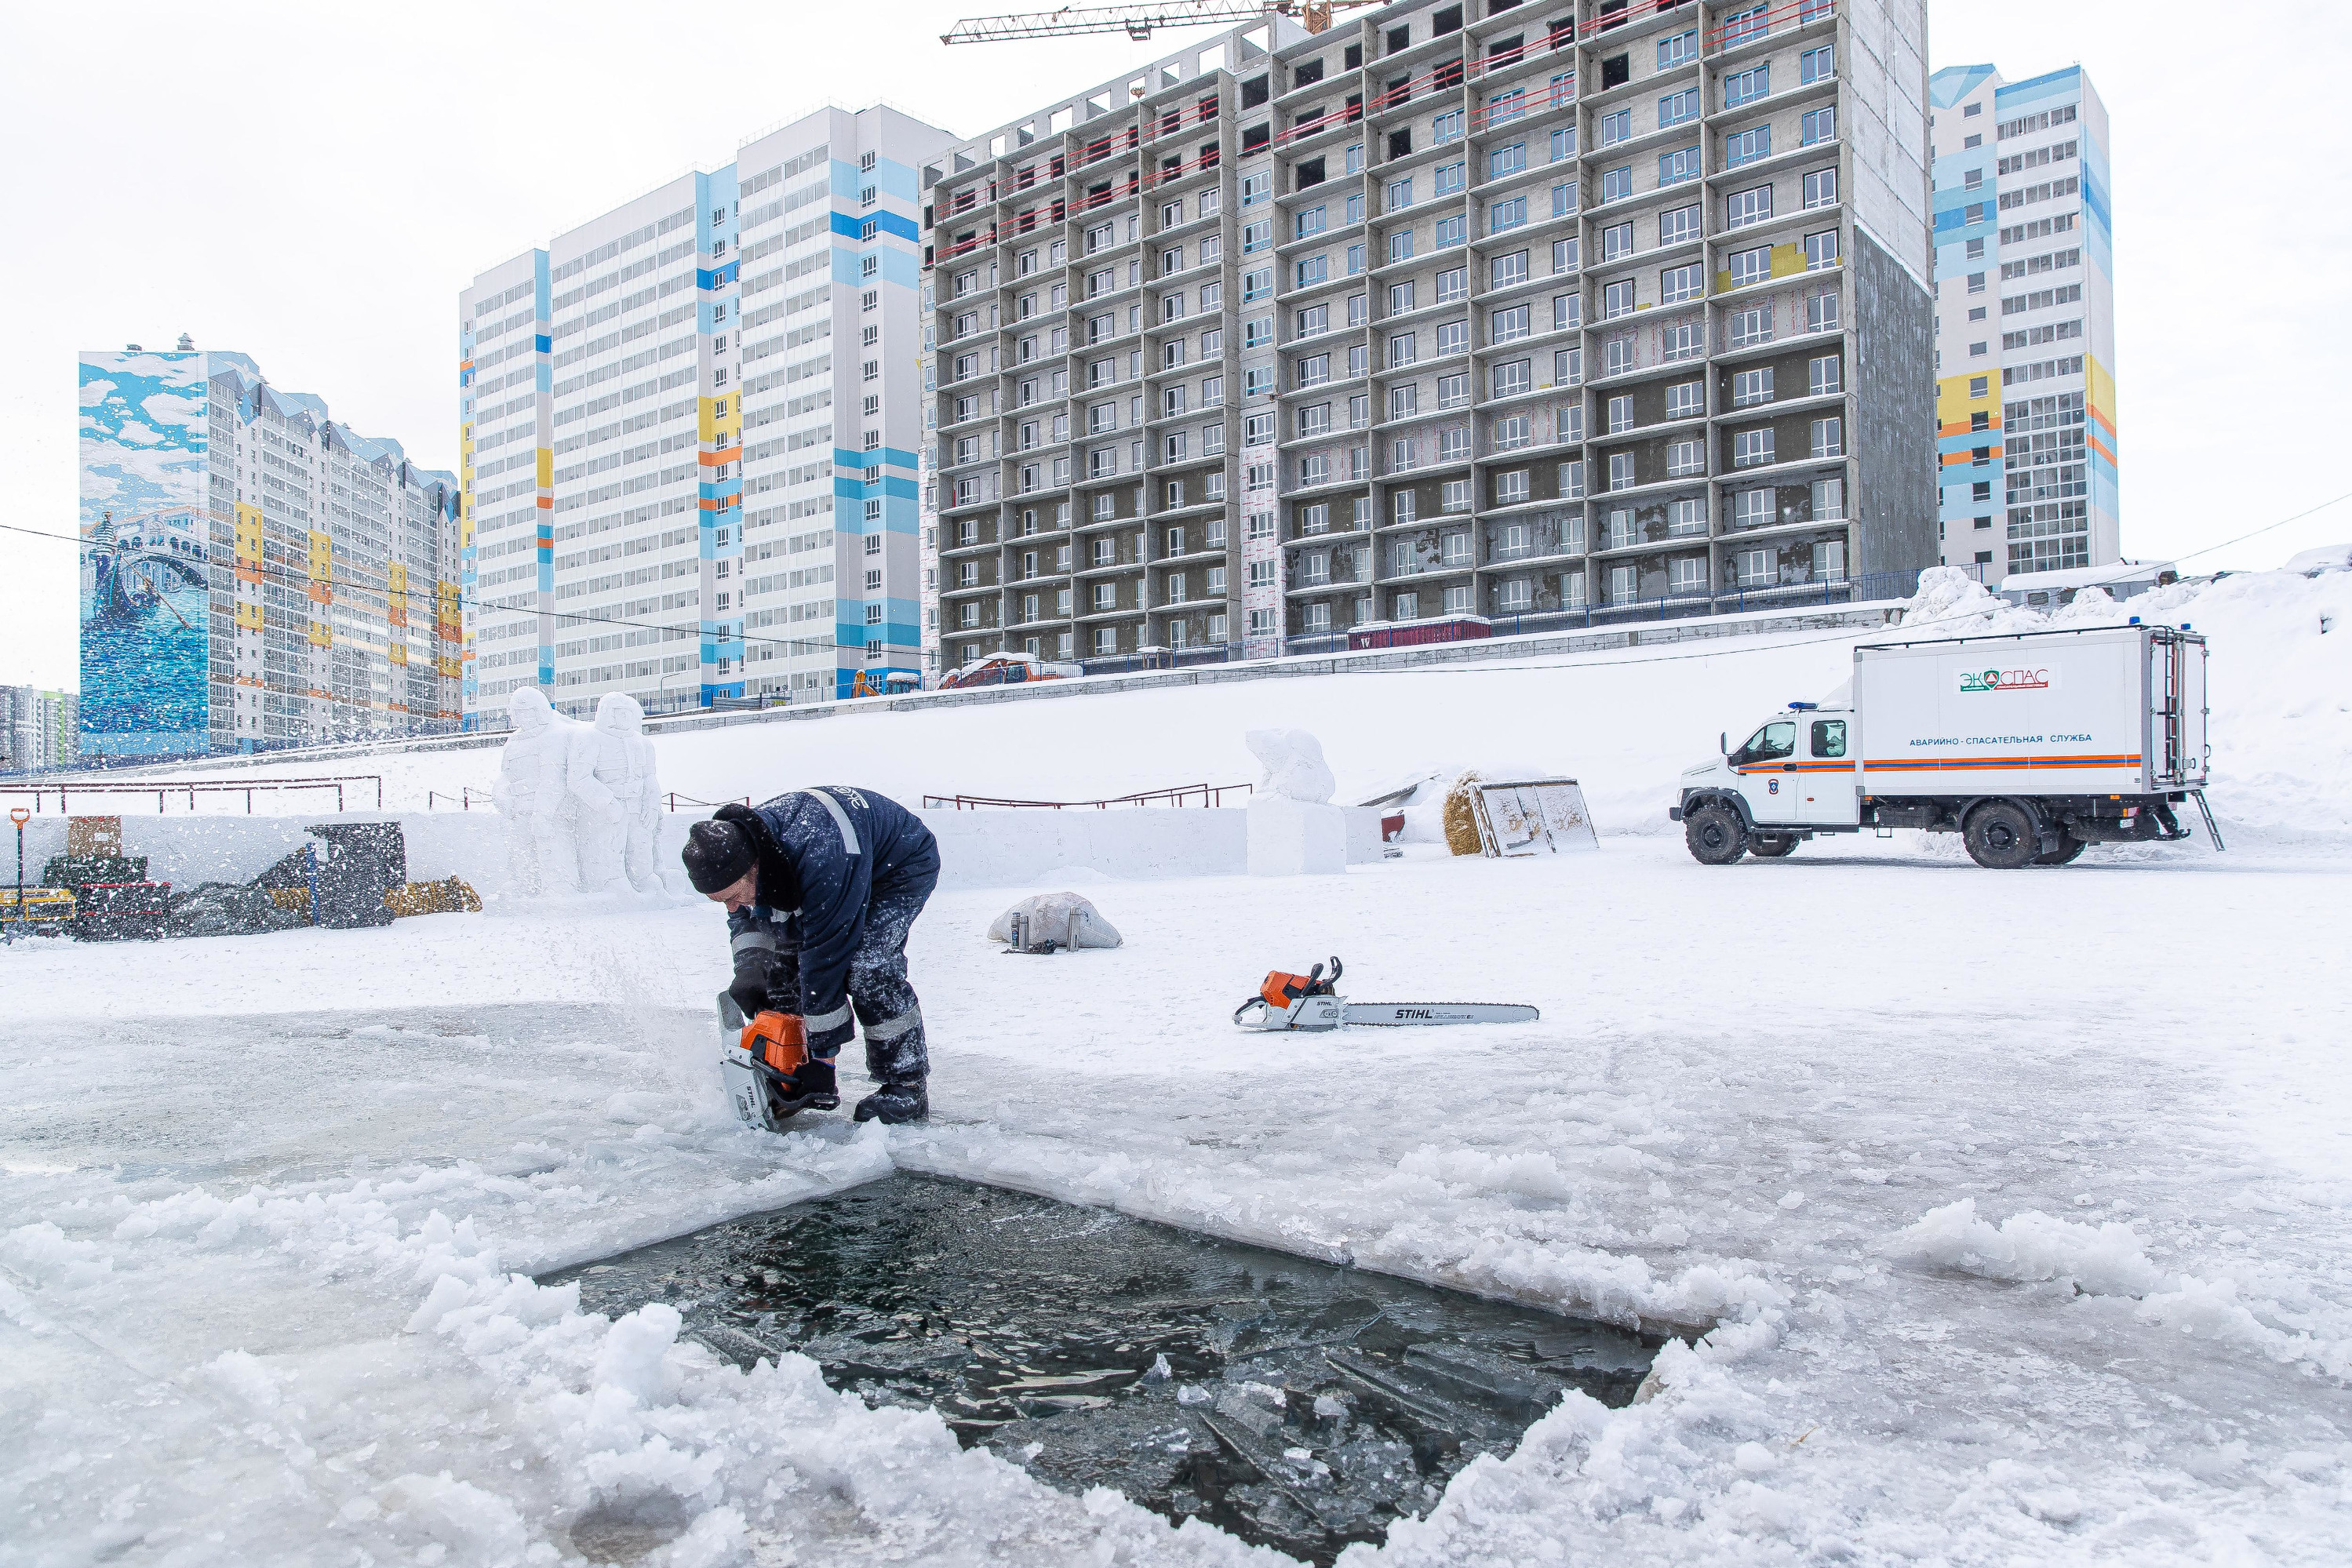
[1714, 835]
[2001, 837]
[1771, 846]
[2070, 849]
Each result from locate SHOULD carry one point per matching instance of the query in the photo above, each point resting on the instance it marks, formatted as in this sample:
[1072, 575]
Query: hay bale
[1461, 818]
[449, 896]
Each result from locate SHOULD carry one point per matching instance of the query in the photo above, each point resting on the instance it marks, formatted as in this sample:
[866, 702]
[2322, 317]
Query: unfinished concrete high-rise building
[1463, 308]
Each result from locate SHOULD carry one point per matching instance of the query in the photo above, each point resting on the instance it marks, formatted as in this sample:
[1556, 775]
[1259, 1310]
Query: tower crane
[1139, 21]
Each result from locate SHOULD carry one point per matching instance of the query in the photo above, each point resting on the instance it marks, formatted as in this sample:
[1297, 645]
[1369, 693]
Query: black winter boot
[895, 1102]
[899, 1063]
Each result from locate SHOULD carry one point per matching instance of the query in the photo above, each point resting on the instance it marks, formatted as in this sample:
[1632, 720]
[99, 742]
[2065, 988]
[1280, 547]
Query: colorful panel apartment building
[2025, 323]
[690, 431]
[1452, 308]
[254, 574]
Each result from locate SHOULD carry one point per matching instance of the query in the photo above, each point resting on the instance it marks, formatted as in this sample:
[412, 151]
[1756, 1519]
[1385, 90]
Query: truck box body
[2106, 710]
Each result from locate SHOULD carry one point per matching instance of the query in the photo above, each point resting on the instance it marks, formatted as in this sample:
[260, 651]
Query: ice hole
[1297, 1404]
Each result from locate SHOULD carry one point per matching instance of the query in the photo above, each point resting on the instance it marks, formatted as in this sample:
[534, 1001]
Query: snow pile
[2032, 1246]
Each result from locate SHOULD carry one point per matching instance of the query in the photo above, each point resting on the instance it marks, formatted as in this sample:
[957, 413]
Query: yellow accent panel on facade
[1788, 260]
[1953, 402]
[546, 468]
[249, 532]
[723, 428]
[398, 653]
[249, 615]
[323, 635]
[2099, 392]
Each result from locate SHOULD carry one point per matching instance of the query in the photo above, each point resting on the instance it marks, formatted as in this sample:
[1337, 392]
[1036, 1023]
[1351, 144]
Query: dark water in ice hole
[1302, 1406]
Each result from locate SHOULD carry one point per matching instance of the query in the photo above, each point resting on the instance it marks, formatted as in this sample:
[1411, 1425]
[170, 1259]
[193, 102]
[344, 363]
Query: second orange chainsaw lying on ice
[1311, 1002]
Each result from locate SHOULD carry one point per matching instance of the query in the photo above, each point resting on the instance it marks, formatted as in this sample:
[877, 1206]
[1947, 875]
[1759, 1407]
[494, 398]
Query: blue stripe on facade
[715, 276]
[888, 456]
[542, 341]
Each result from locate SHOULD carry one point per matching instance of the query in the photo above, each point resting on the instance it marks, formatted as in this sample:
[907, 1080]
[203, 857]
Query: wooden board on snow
[1532, 817]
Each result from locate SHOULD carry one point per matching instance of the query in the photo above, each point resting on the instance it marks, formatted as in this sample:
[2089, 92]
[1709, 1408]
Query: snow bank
[1624, 723]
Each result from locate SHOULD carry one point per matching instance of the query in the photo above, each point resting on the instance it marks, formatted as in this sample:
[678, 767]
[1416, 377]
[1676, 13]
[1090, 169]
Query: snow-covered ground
[2016, 1203]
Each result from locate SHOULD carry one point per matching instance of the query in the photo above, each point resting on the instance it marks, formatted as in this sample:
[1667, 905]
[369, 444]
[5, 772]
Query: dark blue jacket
[826, 853]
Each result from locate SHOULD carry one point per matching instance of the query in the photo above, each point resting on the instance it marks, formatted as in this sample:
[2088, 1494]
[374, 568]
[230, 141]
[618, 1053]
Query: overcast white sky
[312, 184]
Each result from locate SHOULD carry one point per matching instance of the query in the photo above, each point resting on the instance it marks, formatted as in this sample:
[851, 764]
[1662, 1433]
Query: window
[1447, 179]
[1752, 325]
[1511, 160]
[1617, 355]
[1748, 266]
[1452, 284]
[1508, 326]
[1677, 106]
[1567, 367]
[1746, 146]
[1571, 481]
[1616, 126]
[1504, 215]
[1447, 127]
[1687, 574]
[1817, 125]
[1745, 87]
[1258, 430]
[1822, 376]
[1821, 250]
[1677, 49]
[1829, 505]
[1617, 184]
[1741, 208]
[1679, 226]
[1453, 391]
[1513, 378]
[1751, 447]
[1511, 488]
[1753, 509]
[1510, 434]
[1617, 298]
[1816, 65]
[1567, 311]
[1676, 284]
[1621, 414]
[1400, 245]
[1312, 270]
[1617, 242]
[1820, 188]
[1506, 270]
[1452, 338]
[1450, 230]
[1685, 457]
[1750, 387]
[1821, 313]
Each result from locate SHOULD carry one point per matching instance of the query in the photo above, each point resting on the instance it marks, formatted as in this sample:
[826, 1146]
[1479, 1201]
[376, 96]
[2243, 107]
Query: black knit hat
[716, 856]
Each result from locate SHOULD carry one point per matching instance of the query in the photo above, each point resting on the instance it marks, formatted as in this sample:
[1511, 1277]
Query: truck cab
[1796, 774]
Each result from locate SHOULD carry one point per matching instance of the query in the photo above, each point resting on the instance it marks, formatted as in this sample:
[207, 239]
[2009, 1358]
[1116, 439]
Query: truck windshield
[1774, 740]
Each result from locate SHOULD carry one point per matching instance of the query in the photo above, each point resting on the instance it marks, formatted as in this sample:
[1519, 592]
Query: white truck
[2030, 744]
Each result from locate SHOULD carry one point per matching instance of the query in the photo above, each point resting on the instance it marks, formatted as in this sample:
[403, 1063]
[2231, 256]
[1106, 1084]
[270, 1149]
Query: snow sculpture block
[533, 796]
[580, 804]
[618, 798]
[1050, 913]
[1294, 829]
[1293, 760]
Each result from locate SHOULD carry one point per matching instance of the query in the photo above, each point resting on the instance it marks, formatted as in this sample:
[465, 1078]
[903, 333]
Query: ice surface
[236, 1170]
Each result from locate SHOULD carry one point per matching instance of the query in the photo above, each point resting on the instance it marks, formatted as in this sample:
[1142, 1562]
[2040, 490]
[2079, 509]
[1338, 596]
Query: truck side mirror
[1723, 742]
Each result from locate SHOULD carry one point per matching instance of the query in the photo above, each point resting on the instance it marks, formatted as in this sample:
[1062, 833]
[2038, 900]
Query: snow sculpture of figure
[533, 797]
[598, 780]
[1294, 829]
[624, 768]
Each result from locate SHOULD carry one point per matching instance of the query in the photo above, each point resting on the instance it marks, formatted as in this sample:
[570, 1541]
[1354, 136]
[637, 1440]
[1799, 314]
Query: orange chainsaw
[1311, 1002]
[757, 1058]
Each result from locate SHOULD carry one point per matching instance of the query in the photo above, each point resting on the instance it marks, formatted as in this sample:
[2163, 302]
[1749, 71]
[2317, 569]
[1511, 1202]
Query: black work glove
[755, 973]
